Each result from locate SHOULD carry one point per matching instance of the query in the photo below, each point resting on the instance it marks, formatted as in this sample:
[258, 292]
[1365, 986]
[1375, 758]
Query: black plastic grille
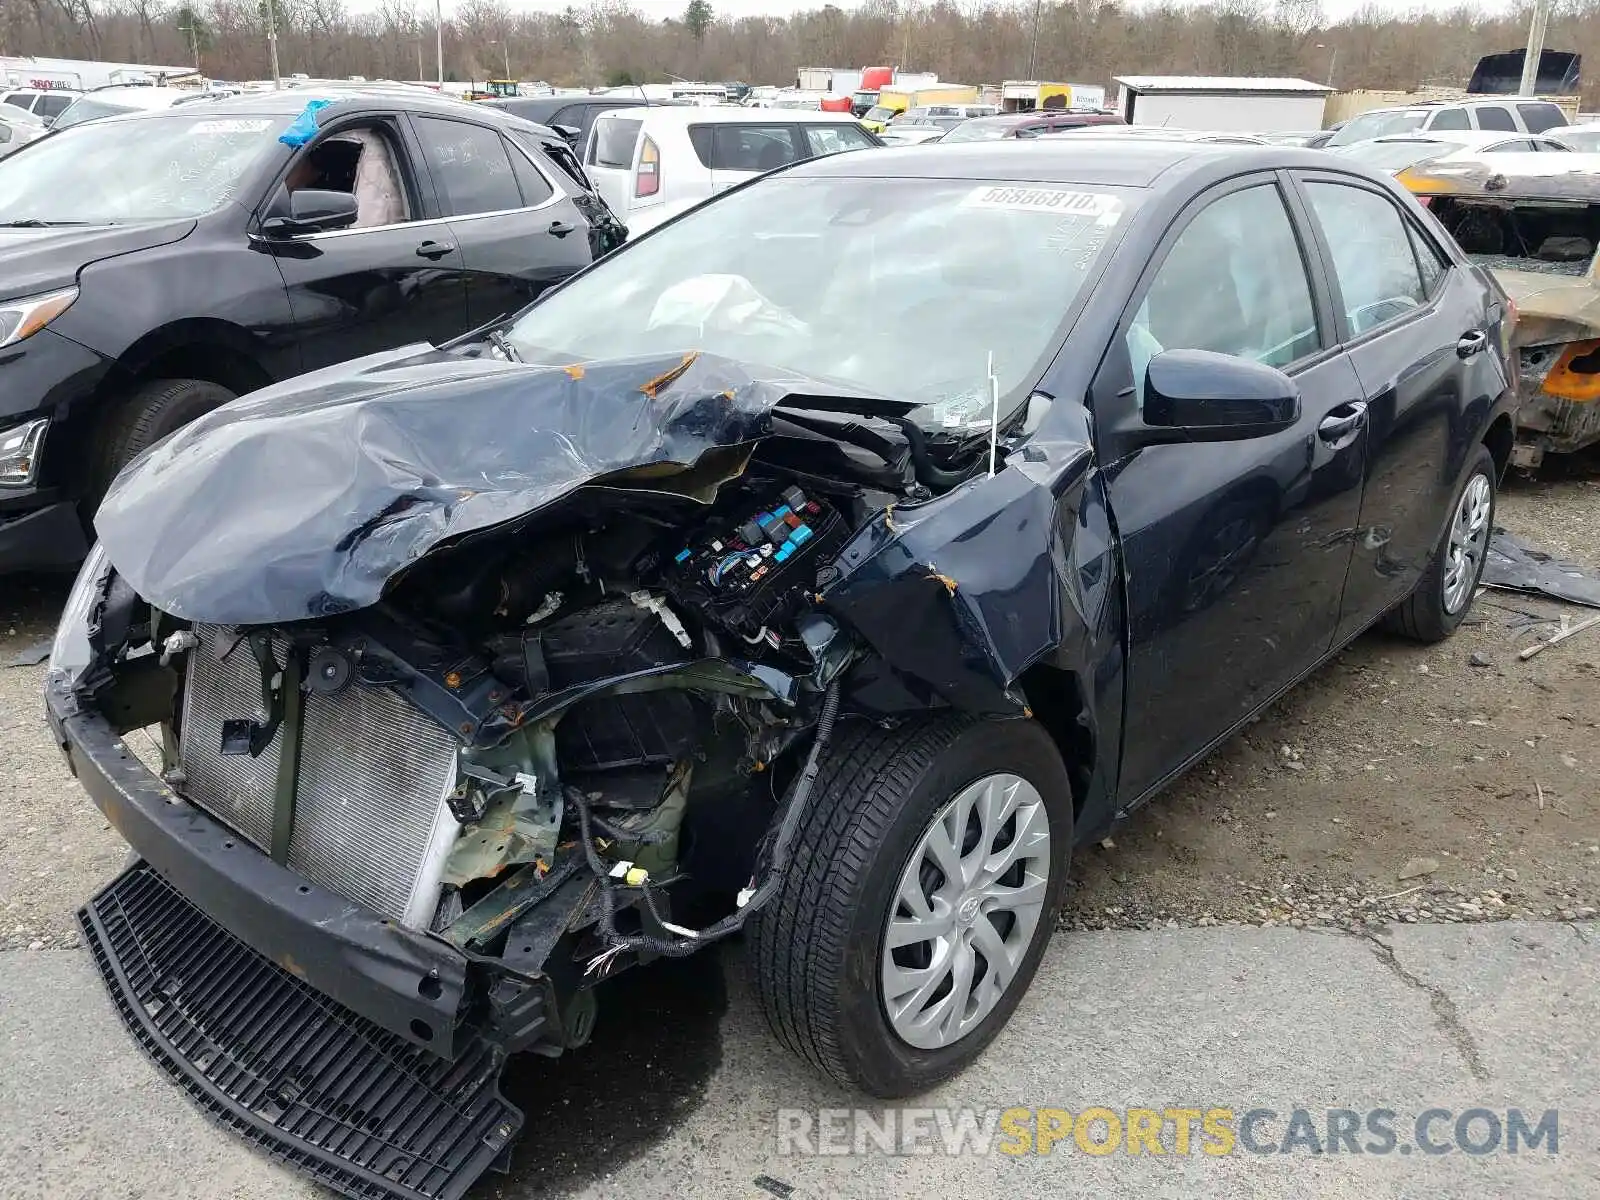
[318, 1087]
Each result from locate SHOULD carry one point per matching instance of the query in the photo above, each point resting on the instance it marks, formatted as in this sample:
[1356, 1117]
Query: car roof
[1128, 163]
[1156, 133]
[687, 114]
[291, 102]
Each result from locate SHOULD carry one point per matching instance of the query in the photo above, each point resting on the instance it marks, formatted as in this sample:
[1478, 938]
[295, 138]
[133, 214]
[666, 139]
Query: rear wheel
[147, 415]
[921, 896]
[1444, 594]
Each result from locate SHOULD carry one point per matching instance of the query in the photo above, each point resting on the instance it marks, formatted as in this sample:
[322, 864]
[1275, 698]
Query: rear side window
[1373, 256]
[53, 106]
[752, 147]
[470, 166]
[1492, 116]
[830, 139]
[613, 141]
[534, 186]
[1450, 118]
[1428, 261]
[1539, 117]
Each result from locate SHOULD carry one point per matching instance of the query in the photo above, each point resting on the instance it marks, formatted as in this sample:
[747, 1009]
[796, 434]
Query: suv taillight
[647, 181]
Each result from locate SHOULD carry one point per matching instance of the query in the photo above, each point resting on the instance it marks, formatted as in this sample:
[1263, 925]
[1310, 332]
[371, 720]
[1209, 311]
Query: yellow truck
[894, 101]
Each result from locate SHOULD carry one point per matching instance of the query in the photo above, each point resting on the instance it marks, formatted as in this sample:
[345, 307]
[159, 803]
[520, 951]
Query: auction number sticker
[1103, 208]
[234, 126]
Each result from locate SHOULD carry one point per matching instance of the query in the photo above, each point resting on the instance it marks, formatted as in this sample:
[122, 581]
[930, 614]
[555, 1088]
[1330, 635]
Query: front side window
[1372, 254]
[1492, 116]
[113, 172]
[470, 166]
[1450, 118]
[778, 275]
[830, 139]
[1234, 283]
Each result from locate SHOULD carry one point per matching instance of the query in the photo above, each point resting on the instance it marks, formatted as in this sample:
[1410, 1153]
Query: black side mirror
[312, 210]
[569, 132]
[1201, 396]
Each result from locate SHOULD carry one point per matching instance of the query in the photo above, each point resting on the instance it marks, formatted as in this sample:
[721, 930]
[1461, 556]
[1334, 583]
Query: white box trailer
[78, 74]
[1232, 104]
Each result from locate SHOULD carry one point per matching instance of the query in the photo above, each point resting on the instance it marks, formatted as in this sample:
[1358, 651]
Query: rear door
[741, 151]
[516, 229]
[1417, 329]
[1235, 552]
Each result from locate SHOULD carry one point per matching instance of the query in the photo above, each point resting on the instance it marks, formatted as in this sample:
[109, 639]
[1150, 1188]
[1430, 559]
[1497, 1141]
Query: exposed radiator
[370, 819]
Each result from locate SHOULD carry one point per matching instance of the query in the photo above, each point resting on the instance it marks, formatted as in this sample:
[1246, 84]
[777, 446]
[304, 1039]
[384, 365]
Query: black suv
[571, 115]
[155, 265]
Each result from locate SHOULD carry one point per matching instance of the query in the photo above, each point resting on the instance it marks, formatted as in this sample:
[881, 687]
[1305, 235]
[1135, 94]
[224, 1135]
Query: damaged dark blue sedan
[676, 606]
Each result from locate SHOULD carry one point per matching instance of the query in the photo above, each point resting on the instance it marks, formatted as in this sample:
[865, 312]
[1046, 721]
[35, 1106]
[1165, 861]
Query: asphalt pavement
[683, 1093]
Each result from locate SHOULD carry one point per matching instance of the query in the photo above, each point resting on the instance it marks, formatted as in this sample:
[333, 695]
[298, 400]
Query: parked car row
[155, 264]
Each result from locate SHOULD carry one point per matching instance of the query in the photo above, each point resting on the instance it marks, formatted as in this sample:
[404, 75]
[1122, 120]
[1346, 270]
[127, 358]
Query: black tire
[147, 415]
[816, 949]
[1422, 615]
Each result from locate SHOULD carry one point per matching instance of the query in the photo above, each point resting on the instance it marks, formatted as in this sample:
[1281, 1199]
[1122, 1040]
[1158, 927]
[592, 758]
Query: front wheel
[919, 900]
[1442, 597]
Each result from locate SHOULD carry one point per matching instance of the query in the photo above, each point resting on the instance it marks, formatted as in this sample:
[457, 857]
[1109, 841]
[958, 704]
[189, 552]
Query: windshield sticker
[237, 126]
[1106, 210]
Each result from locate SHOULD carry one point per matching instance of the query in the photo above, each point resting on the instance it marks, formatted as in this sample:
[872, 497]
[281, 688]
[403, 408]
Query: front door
[1234, 552]
[393, 278]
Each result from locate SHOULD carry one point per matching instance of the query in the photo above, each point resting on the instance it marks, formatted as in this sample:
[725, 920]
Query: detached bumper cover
[353, 1107]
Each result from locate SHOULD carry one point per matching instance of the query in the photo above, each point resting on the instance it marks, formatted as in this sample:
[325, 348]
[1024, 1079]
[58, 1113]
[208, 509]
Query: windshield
[1580, 139]
[981, 131]
[879, 113]
[1378, 124]
[113, 171]
[1394, 156]
[780, 273]
[80, 111]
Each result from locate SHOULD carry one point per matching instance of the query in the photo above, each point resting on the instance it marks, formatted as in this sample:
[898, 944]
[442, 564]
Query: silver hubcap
[965, 911]
[1469, 537]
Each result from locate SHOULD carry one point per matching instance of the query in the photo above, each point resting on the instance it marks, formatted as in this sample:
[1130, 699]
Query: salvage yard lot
[1392, 753]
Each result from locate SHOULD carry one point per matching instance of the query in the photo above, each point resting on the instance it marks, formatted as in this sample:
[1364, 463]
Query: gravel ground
[1400, 783]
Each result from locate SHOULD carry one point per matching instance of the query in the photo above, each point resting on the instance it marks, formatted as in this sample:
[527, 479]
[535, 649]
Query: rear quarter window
[613, 141]
[1539, 117]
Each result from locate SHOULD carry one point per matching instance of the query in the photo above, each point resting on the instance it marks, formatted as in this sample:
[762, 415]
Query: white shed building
[1238, 104]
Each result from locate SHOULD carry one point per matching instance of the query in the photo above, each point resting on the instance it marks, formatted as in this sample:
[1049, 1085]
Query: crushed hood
[306, 499]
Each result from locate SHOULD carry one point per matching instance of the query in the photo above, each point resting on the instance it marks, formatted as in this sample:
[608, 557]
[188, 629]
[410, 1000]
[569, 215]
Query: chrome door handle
[1342, 421]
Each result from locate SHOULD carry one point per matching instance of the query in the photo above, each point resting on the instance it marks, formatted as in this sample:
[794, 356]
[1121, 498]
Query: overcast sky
[1333, 10]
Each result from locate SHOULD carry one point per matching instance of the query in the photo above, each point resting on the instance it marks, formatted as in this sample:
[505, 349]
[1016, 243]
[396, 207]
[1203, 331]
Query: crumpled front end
[478, 683]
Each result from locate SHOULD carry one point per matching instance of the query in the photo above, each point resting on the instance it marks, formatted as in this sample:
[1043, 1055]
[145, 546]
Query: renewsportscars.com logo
[1213, 1132]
